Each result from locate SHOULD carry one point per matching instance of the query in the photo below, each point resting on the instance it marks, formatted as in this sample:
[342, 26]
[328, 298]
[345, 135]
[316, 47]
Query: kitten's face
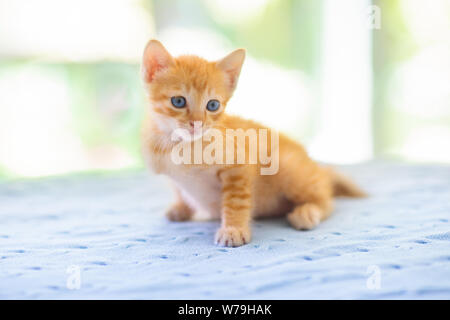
[188, 92]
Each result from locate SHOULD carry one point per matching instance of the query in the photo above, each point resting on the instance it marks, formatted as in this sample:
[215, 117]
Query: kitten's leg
[236, 208]
[179, 211]
[312, 196]
[307, 216]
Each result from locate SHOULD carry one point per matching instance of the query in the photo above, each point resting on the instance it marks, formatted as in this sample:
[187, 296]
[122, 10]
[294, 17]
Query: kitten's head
[188, 92]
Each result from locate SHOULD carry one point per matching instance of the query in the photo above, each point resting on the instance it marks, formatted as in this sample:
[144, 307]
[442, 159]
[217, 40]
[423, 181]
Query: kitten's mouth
[196, 133]
[191, 133]
[195, 128]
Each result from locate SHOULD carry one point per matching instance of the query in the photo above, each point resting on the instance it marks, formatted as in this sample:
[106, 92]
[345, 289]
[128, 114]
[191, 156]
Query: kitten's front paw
[179, 212]
[232, 236]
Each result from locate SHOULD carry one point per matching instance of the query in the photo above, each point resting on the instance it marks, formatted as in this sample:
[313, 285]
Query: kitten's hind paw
[179, 212]
[232, 236]
[305, 217]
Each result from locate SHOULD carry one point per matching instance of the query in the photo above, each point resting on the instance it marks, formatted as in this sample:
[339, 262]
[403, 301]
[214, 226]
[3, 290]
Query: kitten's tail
[343, 186]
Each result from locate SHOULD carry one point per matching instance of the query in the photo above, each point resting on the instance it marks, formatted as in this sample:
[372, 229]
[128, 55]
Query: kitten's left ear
[232, 65]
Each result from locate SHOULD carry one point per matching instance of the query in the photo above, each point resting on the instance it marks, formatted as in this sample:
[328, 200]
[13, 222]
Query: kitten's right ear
[232, 65]
[156, 58]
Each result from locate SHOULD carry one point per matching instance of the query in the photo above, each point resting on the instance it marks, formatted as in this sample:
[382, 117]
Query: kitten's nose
[194, 123]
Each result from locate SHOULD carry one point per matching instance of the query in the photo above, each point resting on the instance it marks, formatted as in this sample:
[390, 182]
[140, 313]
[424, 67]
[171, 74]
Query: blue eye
[178, 102]
[213, 105]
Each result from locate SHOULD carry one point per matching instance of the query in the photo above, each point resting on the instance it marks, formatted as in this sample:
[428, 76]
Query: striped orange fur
[301, 190]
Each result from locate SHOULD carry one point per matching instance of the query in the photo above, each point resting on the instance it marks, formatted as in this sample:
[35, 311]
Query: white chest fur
[200, 188]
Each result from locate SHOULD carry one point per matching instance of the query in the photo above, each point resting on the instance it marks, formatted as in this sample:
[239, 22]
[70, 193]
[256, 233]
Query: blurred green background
[352, 80]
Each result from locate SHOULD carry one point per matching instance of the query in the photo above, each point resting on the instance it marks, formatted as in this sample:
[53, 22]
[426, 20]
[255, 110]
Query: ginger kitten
[189, 93]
